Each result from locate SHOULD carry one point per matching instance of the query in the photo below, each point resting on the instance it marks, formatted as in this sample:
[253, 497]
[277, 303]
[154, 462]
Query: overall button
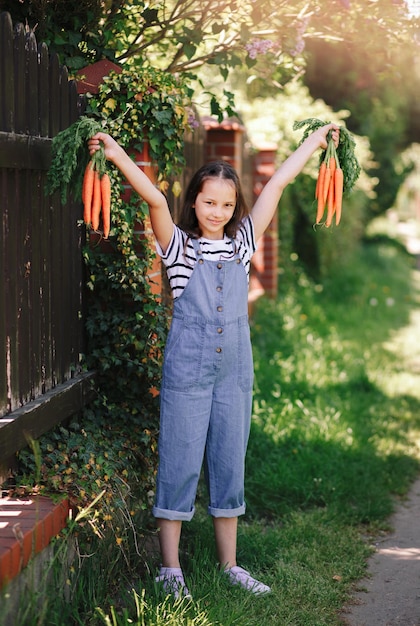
[201, 261]
[219, 266]
[218, 288]
[220, 330]
[219, 309]
[238, 261]
[218, 350]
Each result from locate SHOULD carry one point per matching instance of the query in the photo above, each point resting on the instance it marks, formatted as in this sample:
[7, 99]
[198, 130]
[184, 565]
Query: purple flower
[258, 46]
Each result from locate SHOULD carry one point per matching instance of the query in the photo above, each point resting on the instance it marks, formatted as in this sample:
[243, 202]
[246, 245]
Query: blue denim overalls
[206, 393]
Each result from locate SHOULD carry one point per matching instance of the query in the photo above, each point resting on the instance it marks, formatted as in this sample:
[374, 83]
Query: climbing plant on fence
[114, 442]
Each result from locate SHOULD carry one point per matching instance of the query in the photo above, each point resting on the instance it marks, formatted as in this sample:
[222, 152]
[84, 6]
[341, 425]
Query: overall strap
[196, 245]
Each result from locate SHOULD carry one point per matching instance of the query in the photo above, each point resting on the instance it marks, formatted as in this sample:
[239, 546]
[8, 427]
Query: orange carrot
[106, 204]
[319, 192]
[87, 191]
[96, 202]
[320, 179]
[326, 183]
[320, 210]
[338, 197]
[330, 202]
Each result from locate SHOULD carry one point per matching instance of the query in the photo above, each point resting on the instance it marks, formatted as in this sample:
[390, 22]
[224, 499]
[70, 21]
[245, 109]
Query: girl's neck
[213, 239]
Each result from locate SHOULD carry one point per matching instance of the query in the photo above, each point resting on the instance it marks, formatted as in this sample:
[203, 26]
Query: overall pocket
[183, 356]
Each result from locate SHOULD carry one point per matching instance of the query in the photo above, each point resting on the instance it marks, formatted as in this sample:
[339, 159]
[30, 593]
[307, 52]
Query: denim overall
[206, 393]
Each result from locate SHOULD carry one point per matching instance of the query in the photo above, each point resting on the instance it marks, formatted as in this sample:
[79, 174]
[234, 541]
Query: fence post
[224, 142]
[264, 272]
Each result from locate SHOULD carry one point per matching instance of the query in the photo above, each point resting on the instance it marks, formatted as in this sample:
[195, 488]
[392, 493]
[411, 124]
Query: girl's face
[214, 207]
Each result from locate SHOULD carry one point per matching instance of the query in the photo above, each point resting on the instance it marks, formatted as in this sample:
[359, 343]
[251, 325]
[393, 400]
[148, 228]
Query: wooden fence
[41, 266]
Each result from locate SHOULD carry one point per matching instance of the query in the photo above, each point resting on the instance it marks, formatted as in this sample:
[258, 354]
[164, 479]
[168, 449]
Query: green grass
[335, 442]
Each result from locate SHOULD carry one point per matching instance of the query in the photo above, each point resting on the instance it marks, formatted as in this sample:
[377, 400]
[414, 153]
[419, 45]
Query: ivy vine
[116, 436]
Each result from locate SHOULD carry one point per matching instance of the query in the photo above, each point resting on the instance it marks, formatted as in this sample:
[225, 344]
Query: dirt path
[390, 594]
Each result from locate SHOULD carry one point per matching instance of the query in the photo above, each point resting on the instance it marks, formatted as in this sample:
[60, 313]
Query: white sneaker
[239, 576]
[173, 582]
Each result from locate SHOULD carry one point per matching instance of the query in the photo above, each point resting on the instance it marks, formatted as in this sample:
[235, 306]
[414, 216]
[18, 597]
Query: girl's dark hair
[216, 169]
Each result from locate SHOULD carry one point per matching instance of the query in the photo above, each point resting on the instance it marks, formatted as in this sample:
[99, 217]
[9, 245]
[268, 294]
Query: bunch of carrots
[329, 187]
[333, 180]
[96, 198]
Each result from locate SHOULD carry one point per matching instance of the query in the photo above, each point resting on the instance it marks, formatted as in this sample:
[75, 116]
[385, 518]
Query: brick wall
[224, 141]
[265, 261]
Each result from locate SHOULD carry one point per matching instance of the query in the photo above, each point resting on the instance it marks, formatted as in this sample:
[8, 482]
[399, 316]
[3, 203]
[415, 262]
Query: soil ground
[390, 594]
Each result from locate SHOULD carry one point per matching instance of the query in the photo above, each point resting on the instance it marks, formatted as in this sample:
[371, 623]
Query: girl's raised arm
[160, 216]
[266, 205]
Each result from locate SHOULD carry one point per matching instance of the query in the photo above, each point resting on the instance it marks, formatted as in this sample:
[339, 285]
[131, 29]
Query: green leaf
[150, 16]
[217, 28]
[216, 109]
[189, 49]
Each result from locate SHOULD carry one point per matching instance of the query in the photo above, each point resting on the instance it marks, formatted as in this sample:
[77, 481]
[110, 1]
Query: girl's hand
[110, 146]
[323, 135]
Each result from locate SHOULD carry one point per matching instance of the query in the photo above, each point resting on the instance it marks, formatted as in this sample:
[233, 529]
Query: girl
[206, 392]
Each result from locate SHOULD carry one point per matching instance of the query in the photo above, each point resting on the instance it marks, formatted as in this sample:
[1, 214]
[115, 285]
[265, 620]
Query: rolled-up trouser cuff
[179, 516]
[240, 510]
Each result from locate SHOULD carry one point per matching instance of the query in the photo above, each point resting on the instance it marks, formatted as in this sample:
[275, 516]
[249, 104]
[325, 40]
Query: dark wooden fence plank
[54, 90]
[10, 303]
[64, 98]
[45, 290]
[31, 81]
[77, 104]
[62, 238]
[43, 91]
[3, 295]
[7, 72]
[23, 277]
[20, 104]
[33, 273]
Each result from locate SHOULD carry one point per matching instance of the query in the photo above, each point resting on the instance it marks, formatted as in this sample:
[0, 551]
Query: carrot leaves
[345, 150]
[70, 156]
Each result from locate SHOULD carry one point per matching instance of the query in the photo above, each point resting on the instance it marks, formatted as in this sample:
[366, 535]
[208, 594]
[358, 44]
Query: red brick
[5, 563]
[92, 76]
[42, 503]
[219, 136]
[27, 548]
[64, 508]
[38, 538]
[26, 527]
[48, 525]
[225, 150]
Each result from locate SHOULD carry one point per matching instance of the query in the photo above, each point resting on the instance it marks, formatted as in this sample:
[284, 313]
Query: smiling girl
[207, 379]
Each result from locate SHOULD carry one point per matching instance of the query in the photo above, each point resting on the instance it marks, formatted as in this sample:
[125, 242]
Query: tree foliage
[182, 35]
[379, 86]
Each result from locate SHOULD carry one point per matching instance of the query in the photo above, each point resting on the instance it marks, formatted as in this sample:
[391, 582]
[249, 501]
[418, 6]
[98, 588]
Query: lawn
[335, 442]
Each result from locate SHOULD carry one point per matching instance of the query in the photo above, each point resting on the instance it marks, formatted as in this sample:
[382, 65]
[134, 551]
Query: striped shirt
[180, 257]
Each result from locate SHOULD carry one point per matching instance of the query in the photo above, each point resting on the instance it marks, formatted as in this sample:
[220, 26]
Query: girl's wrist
[118, 155]
[317, 140]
